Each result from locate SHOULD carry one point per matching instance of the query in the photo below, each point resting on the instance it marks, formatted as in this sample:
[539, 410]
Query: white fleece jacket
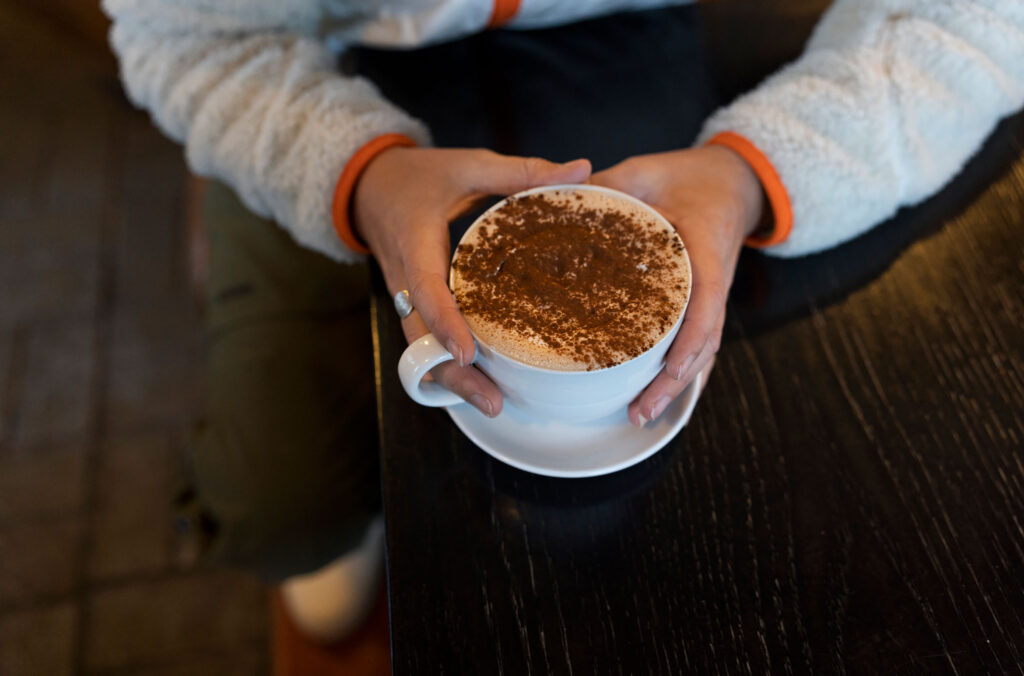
[888, 101]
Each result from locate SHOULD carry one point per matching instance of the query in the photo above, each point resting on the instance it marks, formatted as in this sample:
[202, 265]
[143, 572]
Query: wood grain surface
[849, 495]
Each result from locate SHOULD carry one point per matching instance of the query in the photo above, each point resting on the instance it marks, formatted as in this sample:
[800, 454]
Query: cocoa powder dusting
[594, 285]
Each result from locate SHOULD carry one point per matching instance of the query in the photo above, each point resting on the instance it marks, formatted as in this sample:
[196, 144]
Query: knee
[279, 508]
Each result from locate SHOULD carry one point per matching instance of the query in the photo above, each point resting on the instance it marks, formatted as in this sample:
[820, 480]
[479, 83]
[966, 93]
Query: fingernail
[642, 419]
[482, 403]
[659, 406]
[456, 351]
[682, 369]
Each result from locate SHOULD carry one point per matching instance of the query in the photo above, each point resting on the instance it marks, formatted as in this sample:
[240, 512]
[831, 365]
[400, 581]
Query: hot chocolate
[571, 280]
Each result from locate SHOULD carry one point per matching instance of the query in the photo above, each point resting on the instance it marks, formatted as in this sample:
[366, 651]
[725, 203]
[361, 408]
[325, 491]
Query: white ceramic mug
[567, 396]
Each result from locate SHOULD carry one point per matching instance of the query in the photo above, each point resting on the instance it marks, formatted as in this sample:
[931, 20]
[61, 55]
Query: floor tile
[155, 371]
[41, 560]
[92, 249]
[40, 481]
[38, 642]
[143, 623]
[48, 283]
[242, 662]
[132, 523]
[56, 398]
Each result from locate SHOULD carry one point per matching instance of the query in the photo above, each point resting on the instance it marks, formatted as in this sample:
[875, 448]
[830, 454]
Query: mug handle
[421, 356]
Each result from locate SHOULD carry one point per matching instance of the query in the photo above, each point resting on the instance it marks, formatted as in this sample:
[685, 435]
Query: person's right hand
[402, 206]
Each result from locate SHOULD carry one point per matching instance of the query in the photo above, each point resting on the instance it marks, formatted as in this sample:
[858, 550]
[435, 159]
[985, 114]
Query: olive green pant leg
[285, 467]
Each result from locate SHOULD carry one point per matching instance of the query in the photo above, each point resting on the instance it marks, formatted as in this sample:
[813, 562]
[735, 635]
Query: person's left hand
[714, 200]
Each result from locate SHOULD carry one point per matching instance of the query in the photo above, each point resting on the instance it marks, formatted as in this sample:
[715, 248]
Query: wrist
[342, 208]
[749, 191]
[776, 223]
[371, 189]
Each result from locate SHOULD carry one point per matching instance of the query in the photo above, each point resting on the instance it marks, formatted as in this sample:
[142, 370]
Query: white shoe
[329, 604]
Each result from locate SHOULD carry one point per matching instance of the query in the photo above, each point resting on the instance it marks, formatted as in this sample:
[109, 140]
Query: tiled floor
[100, 380]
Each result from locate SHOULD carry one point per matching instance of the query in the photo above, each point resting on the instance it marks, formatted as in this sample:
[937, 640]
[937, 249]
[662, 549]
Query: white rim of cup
[618, 194]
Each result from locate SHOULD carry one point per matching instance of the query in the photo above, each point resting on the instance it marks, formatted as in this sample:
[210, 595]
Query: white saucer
[573, 450]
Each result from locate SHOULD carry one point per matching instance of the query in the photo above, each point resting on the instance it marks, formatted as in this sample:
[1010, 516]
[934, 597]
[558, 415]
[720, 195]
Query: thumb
[625, 176]
[503, 174]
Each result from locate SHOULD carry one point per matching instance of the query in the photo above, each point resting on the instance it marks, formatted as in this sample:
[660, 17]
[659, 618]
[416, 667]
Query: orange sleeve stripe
[503, 12]
[341, 207]
[778, 197]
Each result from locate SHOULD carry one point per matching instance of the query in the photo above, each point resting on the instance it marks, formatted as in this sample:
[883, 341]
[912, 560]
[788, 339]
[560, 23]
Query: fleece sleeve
[886, 104]
[254, 96]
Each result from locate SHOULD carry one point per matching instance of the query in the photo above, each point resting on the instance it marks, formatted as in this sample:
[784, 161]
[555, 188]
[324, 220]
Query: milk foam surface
[571, 280]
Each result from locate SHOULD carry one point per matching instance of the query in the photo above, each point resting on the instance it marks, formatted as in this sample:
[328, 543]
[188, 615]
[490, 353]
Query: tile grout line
[110, 225]
[183, 658]
[154, 577]
[17, 354]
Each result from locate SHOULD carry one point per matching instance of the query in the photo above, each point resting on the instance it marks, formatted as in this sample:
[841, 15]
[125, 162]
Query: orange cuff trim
[778, 198]
[503, 12]
[340, 208]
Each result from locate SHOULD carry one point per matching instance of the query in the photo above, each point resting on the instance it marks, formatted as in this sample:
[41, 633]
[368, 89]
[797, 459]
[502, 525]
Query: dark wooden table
[849, 495]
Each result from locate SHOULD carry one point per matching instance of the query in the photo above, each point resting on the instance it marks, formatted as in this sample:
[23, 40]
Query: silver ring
[403, 306]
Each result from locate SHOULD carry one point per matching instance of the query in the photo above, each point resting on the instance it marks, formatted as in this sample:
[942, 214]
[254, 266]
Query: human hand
[714, 200]
[402, 205]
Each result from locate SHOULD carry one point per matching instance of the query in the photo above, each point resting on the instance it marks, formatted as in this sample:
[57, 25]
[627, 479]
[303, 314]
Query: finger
[629, 176]
[466, 381]
[706, 371]
[425, 255]
[664, 389]
[413, 325]
[701, 332]
[711, 346]
[471, 384]
[704, 313]
[495, 174]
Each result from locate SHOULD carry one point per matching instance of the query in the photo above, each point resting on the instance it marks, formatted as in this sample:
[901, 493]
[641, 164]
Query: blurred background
[101, 363]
